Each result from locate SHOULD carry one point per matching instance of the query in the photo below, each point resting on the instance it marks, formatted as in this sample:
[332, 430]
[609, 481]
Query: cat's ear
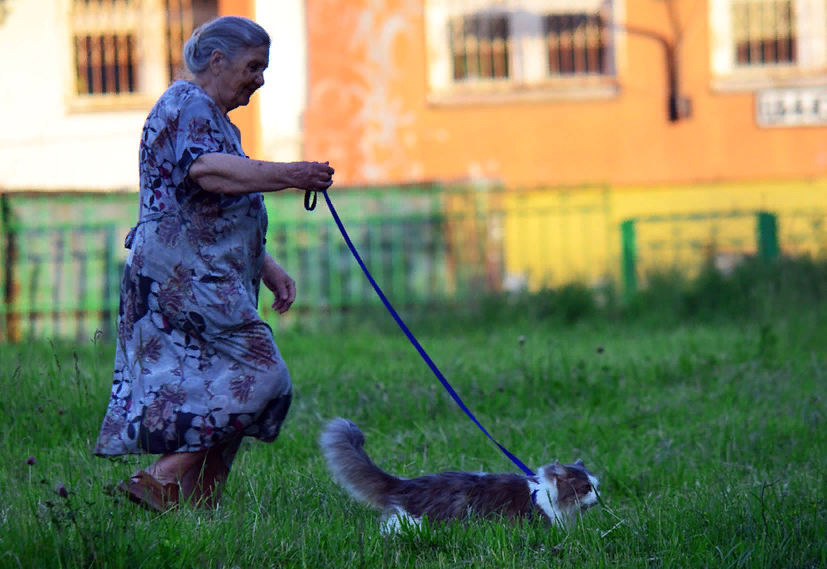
[579, 462]
[558, 468]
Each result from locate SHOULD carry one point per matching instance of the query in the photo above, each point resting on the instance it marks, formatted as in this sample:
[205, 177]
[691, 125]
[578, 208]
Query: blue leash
[310, 205]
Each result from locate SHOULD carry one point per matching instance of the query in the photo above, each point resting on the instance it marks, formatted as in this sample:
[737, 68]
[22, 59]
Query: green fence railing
[687, 242]
[63, 254]
[402, 236]
[425, 245]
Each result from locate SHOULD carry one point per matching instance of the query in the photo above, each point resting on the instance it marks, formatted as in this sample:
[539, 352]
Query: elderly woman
[196, 368]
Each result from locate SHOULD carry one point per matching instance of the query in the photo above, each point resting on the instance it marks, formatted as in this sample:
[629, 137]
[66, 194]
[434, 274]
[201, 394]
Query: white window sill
[108, 103]
[770, 78]
[504, 92]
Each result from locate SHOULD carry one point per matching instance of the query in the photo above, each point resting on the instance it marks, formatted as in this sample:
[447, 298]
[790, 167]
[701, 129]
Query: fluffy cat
[558, 492]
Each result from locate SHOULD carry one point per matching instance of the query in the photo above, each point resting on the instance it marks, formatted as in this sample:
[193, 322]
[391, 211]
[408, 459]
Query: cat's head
[564, 491]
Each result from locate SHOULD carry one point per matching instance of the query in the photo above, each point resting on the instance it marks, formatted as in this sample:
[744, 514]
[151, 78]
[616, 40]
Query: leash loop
[408, 333]
[308, 205]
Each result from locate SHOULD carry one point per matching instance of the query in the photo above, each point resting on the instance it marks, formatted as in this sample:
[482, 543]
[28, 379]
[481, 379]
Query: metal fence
[63, 254]
[689, 242]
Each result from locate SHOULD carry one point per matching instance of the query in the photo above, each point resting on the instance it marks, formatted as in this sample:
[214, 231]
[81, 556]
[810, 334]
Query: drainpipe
[678, 107]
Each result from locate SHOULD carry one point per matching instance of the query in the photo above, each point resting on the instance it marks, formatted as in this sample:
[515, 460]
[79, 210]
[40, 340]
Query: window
[576, 43]
[105, 46]
[764, 32]
[127, 50]
[489, 47]
[760, 42]
[480, 47]
[182, 17]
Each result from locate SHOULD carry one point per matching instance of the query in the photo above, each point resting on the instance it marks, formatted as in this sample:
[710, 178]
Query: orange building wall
[368, 115]
[246, 118]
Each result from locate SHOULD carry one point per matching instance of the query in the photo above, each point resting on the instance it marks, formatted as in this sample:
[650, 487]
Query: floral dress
[195, 366]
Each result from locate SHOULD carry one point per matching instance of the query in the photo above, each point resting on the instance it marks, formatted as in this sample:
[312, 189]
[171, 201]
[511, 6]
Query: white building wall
[283, 98]
[44, 145]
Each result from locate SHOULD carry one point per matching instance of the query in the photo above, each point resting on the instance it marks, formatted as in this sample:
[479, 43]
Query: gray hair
[228, 34]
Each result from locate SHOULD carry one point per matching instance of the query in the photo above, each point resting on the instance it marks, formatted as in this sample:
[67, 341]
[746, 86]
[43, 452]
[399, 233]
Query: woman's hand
[316, 176]
[279, 282]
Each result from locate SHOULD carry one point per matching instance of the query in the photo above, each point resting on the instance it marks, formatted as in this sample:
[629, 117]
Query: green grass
[708, 437]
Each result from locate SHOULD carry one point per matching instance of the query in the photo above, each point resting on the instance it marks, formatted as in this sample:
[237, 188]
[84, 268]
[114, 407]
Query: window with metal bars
[476, 47]
[110, 41]
[182, 17]
[480, 46]
[106, 63]
[577, 44]
[765, 32]
[758, 44]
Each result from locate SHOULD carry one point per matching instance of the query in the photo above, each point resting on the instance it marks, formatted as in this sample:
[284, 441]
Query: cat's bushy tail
[343, 444]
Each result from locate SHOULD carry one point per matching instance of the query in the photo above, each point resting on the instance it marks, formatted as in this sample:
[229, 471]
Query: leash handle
[308, 205]
[408, 333]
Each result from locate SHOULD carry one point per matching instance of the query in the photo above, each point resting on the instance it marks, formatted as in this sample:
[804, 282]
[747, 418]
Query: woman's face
[239, 79]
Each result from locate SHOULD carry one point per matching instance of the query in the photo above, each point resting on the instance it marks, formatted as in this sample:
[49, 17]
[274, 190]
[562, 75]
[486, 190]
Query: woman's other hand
[316, 176]
[279, 282]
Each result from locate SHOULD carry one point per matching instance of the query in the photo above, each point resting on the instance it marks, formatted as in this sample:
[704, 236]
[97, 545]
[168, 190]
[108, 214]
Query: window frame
[811, 50]
[528, 55]
[147, 20]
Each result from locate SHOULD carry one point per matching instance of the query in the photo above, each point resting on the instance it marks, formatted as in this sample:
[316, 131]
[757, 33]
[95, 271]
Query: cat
[558, 493]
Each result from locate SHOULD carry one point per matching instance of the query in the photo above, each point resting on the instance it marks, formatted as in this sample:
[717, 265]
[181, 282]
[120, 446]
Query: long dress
[195, 365]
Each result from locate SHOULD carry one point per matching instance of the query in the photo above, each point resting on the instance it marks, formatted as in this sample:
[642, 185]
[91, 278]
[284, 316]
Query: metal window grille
[107, 36]
[765, 32]
[183, 16]
[577, 44]
[480, 46]
[106, 63]
[106, 53]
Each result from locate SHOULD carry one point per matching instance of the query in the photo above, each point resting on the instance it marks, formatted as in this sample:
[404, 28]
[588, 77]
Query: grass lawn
[708, 438]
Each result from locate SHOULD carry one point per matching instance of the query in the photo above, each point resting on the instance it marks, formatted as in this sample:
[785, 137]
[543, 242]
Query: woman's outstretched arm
[230, 174]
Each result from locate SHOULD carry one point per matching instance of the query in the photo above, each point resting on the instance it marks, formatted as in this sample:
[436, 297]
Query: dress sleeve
[197, 133]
